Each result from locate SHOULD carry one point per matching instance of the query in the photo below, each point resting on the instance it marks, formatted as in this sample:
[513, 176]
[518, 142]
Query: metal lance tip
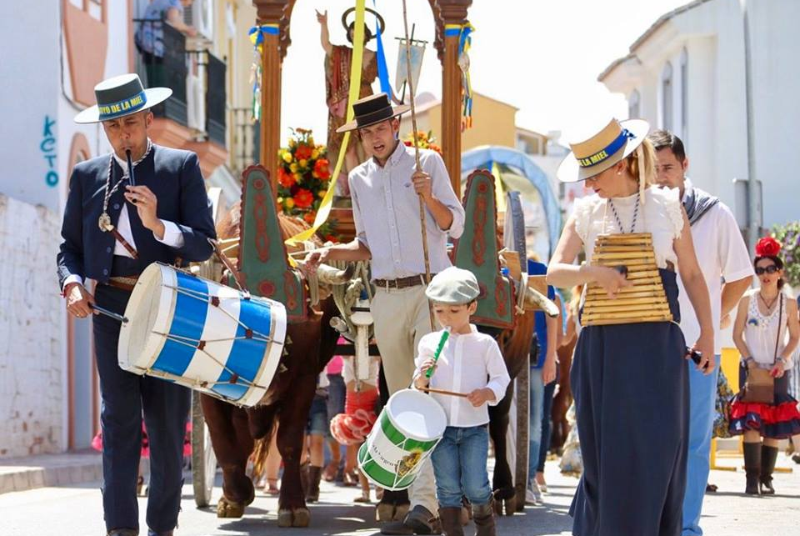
[131, 180]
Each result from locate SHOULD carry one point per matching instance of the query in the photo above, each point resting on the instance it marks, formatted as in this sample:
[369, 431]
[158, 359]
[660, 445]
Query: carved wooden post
[271, 12]
[454, 12]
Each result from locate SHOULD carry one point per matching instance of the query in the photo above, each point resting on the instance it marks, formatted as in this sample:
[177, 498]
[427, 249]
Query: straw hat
[120, 96]
[602, 149]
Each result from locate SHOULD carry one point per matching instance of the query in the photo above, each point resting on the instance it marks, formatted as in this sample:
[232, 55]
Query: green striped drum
[407, 431]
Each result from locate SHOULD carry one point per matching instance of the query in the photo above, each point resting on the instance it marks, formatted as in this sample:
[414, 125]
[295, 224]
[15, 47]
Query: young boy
[467, 359]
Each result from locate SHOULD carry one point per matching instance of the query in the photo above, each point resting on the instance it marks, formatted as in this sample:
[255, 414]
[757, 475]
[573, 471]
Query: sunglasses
[771, 269]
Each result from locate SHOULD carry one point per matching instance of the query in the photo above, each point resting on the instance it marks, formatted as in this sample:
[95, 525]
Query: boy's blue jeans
[459, 463]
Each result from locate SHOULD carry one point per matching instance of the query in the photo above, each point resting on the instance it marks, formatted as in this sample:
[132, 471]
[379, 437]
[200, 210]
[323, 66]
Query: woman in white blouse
[766, 333]
[629, 380]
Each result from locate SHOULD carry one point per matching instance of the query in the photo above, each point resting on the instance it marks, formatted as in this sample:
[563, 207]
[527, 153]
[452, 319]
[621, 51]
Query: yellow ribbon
[499, 190]
[355, 90]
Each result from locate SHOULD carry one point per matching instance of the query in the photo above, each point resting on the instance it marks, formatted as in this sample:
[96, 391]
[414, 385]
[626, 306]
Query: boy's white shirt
[468, 362]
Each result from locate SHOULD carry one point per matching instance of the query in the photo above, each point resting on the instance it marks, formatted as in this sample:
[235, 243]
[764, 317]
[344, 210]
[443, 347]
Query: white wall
[29, 99]
[31, 327]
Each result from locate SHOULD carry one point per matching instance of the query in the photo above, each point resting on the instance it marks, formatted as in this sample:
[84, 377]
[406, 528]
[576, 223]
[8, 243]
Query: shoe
[752, 467]
[769, 455]
[314, 476]
[329, 474]
[350, 479]
[422, 521]
[151, 532]
[451, 521]
[272, 487]
[541, 481]
[711, 488]
[123, 532]
[533, 495]
[483, 515]
[796, 458]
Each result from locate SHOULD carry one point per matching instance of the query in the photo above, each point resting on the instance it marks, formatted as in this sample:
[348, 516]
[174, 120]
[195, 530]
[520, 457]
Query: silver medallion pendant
[104, 222]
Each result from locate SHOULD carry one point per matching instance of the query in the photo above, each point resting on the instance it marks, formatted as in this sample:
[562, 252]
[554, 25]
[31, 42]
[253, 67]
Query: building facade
[49, 396]
[686, 73]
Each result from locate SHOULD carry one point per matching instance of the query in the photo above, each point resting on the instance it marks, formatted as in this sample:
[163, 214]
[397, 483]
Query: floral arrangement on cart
[303, 179]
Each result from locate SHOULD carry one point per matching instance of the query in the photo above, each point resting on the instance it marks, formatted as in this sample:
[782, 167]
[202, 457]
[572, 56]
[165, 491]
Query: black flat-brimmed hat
[371, 110]
[120, 96]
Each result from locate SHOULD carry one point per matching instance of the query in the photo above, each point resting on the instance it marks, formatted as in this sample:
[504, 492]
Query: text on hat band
[604, 154]
[125, 106]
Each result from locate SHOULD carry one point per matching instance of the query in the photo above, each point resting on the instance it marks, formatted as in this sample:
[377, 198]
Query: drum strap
[237, 275]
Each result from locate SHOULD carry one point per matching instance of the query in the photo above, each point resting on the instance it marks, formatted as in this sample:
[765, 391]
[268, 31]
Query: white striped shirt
[386, 213]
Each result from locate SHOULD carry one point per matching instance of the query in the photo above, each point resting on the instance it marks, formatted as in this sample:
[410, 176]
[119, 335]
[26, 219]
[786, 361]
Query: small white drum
[202, 335]
[407, 431]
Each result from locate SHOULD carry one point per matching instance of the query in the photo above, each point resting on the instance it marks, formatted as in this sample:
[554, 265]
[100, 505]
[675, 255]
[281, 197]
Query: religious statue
[338, 60]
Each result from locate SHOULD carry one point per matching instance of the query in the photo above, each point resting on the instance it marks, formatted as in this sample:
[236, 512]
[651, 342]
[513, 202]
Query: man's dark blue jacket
[173, 176]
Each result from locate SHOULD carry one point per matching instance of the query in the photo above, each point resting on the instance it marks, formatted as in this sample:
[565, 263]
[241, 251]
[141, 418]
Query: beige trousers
[401, 320]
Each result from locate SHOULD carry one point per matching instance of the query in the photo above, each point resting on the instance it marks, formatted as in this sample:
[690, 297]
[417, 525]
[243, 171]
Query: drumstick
[108, 313]
[443, 392]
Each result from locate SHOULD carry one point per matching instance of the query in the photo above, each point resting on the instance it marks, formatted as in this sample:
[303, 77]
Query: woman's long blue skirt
[631, 391]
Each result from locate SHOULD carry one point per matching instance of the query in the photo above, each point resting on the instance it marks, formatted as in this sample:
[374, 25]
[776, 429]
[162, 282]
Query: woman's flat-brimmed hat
[120, 96]
[603, 149]
[371, 110]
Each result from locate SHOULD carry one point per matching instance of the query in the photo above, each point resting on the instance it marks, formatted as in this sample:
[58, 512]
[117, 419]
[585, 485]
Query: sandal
[329, 474]
[350, 479]
[272, 487]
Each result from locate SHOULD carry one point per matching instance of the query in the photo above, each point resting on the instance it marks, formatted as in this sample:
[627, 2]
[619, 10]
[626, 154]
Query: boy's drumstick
[443, 392]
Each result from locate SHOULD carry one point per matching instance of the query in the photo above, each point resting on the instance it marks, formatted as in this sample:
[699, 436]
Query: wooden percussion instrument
[644, 301]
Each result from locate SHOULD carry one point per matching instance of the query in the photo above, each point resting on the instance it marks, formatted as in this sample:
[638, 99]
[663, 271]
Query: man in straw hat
[112, 231]
[722, 255]
[629, 376]
[385, 192]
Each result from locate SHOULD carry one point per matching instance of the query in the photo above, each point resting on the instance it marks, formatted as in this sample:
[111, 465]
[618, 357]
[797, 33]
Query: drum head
[417, 415]
[149, 310]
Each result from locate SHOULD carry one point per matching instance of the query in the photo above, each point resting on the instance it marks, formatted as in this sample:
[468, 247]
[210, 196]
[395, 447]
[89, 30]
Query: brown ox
[233, 430]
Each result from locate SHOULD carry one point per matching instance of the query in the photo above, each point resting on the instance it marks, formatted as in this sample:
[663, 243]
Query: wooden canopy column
[452, 12]
[271, 12]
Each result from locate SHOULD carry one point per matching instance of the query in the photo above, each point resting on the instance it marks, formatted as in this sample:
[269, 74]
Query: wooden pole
[451, 111]
[270, 125]
[422, 223]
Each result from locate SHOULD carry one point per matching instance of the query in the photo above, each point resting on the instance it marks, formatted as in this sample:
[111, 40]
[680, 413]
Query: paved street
[76, 511]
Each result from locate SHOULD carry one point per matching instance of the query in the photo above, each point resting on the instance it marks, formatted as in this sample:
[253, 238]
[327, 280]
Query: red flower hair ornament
[768, 247]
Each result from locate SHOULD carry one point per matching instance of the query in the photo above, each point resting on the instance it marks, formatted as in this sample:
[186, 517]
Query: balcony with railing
[195, 116]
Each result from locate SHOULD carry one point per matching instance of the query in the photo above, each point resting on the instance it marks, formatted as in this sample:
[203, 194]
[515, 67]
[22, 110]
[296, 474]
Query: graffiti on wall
[48, 148]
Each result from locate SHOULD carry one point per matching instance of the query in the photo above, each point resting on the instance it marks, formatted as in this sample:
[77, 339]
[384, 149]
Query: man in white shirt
[385, 191]
[722, 255]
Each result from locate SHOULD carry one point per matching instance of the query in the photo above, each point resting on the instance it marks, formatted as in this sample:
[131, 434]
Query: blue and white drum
[203, 335]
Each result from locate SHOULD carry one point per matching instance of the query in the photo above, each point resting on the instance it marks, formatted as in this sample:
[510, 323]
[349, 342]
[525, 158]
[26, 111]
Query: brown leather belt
[123, 283]
[403, 282]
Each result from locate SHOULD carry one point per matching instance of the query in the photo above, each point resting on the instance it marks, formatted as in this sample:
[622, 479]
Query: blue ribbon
[123, 107]
[605, 154]
[464, 39]
[383, 70]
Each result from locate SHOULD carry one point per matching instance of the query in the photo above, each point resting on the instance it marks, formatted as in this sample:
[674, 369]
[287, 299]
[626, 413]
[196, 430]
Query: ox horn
[329, 275]
[536, 300]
